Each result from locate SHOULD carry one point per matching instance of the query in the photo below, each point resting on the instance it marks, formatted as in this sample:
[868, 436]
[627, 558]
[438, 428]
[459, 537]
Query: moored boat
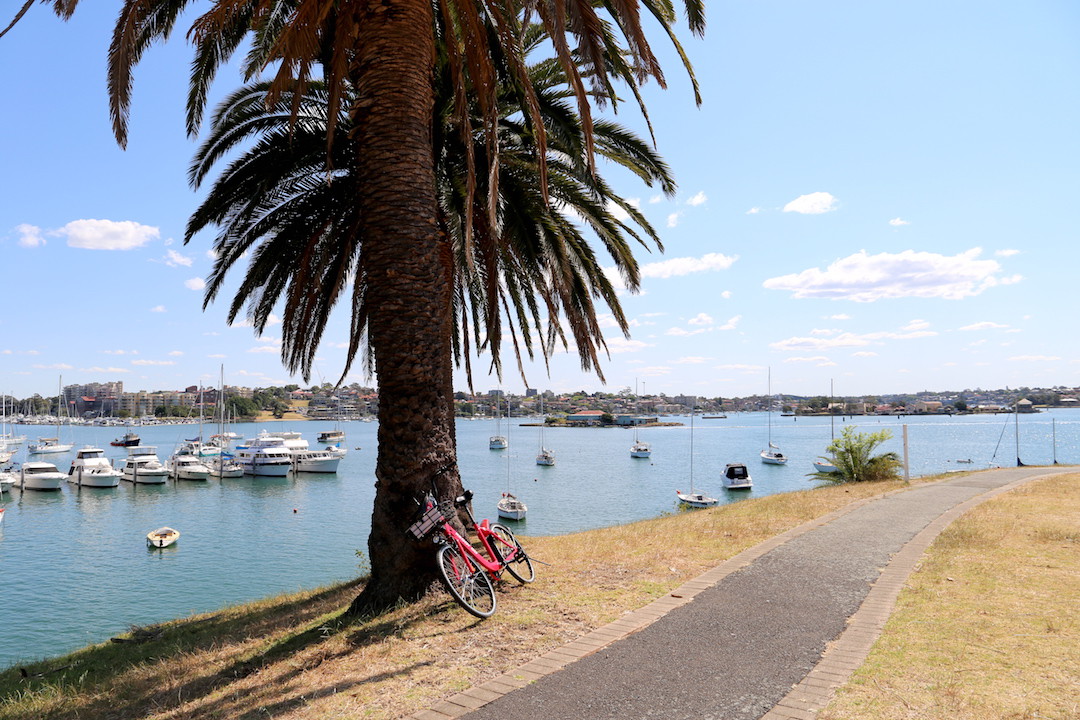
[737, 477]
[187, 467]
[39, 475]
[510, 508]
[90, 468]
[162, 537]
[143, 466]
[129, 439]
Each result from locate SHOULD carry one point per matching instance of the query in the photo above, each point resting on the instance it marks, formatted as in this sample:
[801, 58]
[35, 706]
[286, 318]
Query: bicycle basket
[432, 517]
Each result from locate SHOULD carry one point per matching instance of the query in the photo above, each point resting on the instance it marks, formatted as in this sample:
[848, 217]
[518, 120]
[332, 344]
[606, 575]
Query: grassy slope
[988, 625]
[290, 657]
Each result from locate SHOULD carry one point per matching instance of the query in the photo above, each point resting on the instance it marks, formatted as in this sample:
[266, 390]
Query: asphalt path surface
[739, 646]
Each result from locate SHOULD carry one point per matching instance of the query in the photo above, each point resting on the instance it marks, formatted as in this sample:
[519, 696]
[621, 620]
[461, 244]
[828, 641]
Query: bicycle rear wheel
[470, 585]
[520, 566]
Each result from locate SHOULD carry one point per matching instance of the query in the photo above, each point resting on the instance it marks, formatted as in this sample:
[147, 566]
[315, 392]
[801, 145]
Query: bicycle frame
[493, 566]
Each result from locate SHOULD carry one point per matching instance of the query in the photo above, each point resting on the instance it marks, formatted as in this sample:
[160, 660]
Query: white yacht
[187, 467]
[47, 445]
[510, 508]
[90, 468]
[8, 480]
[143, 466]
[304, 458]
[225, 465]
[640, 450]
[265, 456]
[737, 477]
[40, 476]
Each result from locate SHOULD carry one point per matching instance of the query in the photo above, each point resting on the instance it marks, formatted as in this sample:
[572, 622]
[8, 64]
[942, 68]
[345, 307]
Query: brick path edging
[843, 656]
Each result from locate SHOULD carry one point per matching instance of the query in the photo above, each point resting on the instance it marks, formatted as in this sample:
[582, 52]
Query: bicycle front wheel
[469, 584]
[520, 566]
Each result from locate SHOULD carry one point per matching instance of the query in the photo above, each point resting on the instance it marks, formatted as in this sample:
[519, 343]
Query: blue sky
[882, 194]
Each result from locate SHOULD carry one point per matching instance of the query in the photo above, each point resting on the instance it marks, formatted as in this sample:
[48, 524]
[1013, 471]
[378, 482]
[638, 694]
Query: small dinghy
[162, 537]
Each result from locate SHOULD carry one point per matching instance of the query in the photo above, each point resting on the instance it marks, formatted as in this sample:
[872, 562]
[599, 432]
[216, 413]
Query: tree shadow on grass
[136, 678]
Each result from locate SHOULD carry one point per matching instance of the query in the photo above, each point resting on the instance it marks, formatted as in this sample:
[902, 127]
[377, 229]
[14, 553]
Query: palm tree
[383, 53]
[274, 202]
[852, 455]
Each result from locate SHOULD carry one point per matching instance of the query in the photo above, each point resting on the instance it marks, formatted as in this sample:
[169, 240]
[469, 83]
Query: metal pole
[907, 469]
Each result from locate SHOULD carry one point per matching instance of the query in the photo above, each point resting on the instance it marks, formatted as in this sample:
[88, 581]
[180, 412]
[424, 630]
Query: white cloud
[158, 309]
[824, 331]
[176, 353]
[109, 370]
[841, 316]
[865, 278]
[700, 319]
[30, 235]
[217, 356]
[195, 283]
[864, 353]
[272, 319]
[654, 370]
[985, 325]
[747, 368]
[812, 204]
[698, 199]
[916, 325]
[731, 323]
[107, 234]
[846, 340]
[753, 211]
[679, 332]
[153, 362]
[617, 345]
[673, 219]
[726, 295]
[120, 352]
[263, 349]
[619, 213]
[1006, 253]
[677, 267]
[1034, 358]
[818, 360]
[607, 320]
[693, 360]
[175, 259]
[54, 366]
[897, 222]
[656, 198]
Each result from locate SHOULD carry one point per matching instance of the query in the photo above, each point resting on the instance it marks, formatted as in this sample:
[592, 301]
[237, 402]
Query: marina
[321, 520]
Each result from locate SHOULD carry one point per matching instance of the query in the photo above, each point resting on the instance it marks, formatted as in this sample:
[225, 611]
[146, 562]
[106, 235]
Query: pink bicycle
[468, 575]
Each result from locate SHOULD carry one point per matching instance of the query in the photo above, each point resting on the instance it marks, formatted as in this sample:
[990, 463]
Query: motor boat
[143, 466]
[737, 477]
[187, 467]
[37, 475]
[91, 468]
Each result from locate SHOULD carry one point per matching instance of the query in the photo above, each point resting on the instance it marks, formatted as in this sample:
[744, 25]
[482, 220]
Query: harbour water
[74, 567]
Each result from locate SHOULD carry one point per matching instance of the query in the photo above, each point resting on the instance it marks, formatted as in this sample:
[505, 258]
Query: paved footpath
[771, 633]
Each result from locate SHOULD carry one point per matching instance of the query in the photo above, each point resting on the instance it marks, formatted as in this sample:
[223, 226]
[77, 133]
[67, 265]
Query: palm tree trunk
[409, 288]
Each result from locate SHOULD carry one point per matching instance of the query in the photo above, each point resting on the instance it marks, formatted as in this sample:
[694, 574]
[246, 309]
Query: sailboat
[823, 464]
[544, 456]
[498, 440]
[509, 507]
[694, 499]
[639, 449]
[772, 455]
[52, 444]
[224, 464]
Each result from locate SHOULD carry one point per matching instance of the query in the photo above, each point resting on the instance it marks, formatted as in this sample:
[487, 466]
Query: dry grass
[291, 657]
[988, 626]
